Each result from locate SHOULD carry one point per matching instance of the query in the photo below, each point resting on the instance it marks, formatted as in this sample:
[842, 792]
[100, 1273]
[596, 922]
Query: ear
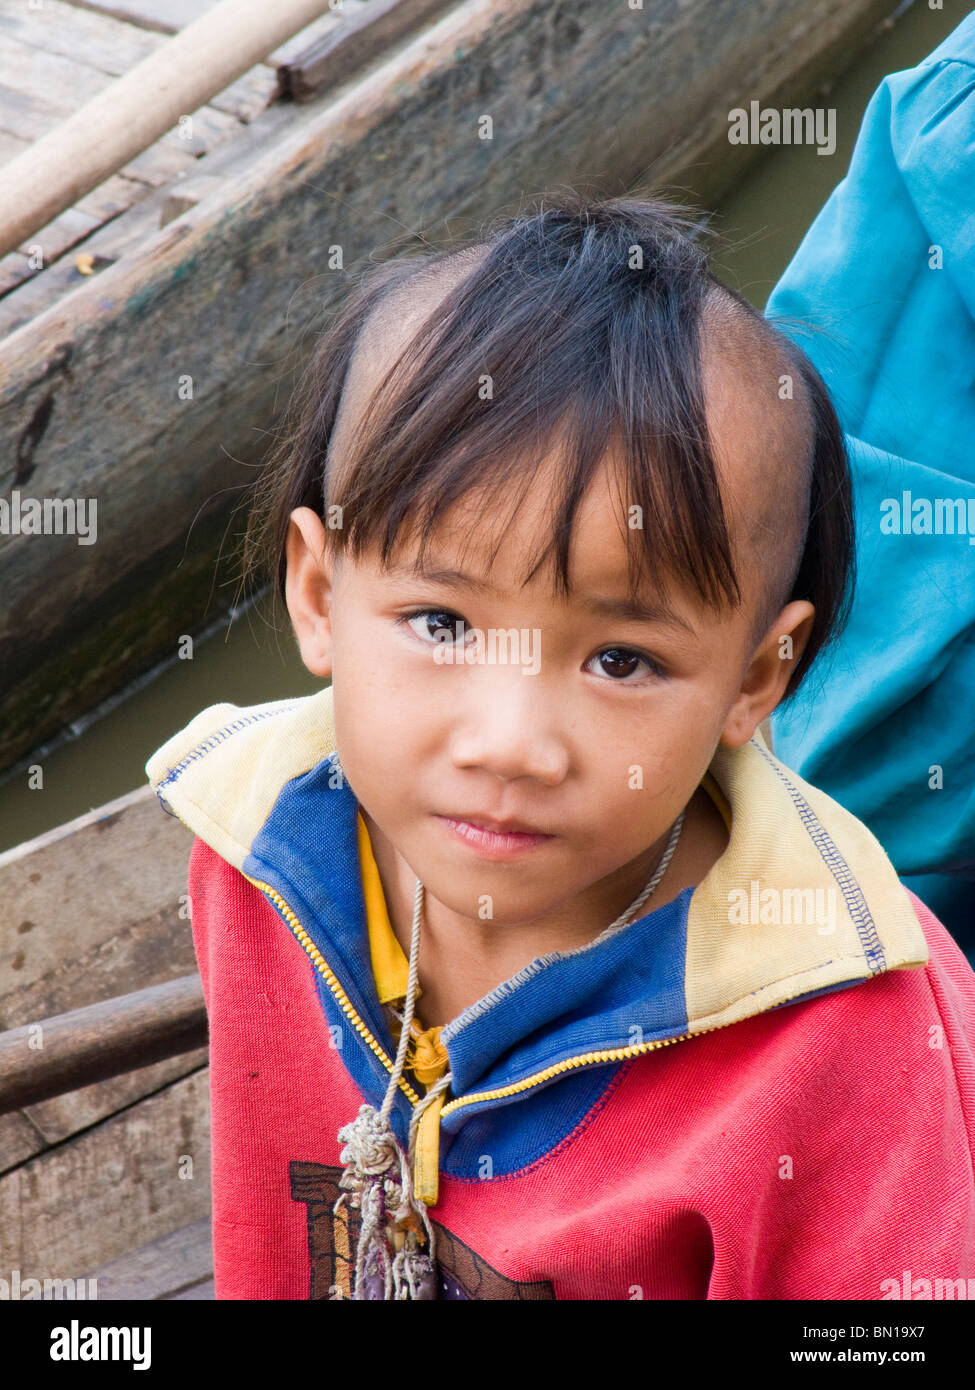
[768, 672]
[308, 589]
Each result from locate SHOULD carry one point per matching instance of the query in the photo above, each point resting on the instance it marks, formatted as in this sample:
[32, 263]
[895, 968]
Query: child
[531, 972]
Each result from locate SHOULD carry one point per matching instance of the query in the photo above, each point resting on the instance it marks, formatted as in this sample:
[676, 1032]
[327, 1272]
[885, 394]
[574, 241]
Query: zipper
[330, 978]
[613, 1054]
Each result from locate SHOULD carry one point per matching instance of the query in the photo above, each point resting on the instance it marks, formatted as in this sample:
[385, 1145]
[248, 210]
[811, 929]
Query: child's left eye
[621, 662]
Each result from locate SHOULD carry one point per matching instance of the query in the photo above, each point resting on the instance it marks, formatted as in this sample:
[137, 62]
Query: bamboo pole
[134, 111]
[60, 1054]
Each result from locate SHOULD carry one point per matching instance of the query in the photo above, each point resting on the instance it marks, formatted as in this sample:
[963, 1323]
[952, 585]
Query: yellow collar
[389, 964]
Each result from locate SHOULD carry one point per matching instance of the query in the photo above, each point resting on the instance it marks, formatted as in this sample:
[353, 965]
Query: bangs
[575, 328]
[533, 352]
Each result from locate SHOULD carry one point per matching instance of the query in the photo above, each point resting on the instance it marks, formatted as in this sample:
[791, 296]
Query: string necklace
[396, 1254]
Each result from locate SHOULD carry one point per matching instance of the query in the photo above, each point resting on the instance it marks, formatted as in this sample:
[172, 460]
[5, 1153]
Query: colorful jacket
[708, 1103]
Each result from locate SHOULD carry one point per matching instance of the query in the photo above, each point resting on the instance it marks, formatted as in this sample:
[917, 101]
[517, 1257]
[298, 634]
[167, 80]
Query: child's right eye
[425, 622]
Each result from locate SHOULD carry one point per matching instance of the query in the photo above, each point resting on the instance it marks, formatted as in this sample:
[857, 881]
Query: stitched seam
[211, 742]
[856, 903]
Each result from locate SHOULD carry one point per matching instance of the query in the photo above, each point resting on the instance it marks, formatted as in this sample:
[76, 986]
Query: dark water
[246, 662]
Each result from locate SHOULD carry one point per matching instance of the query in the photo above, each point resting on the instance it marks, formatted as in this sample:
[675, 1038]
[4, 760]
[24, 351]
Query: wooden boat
[104, 1108]
[104, 1163]
[143, 362]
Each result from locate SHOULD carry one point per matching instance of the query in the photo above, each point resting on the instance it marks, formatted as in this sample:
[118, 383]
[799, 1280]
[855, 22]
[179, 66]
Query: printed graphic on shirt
[332, 1243]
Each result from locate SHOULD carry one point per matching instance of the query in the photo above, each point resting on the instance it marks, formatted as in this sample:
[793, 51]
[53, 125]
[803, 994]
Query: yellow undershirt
[427, 1056]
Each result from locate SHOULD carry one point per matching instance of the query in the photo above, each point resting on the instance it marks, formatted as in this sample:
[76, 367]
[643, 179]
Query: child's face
[574, 733]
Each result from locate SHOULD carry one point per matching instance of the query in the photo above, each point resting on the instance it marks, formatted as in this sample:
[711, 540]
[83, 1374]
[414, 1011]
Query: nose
[510, 725]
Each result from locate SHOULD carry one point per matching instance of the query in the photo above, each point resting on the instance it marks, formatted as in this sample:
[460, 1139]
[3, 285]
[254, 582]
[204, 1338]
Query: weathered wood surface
[130, 112]
[94, 909]
[179, 1265]
[166, 16]
[229, 294]
[142, 1174]
[306, 68]
[71, 1050]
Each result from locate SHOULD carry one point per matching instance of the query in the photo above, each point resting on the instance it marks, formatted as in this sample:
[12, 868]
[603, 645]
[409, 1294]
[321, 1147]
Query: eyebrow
[653, 611]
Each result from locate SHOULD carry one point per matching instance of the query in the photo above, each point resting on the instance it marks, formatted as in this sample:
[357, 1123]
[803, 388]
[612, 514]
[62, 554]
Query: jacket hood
[803, 901]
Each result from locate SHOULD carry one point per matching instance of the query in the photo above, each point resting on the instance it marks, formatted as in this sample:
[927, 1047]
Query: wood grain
[111, 1189]
[597, 96]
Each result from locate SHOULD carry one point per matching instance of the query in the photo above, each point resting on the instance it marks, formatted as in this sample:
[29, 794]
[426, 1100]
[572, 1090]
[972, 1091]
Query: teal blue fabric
[894, 339]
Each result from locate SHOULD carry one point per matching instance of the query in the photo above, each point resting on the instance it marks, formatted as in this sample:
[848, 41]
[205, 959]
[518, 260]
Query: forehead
[498, 545]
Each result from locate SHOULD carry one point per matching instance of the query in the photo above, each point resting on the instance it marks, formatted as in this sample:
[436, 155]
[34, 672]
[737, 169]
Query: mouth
[495, 839]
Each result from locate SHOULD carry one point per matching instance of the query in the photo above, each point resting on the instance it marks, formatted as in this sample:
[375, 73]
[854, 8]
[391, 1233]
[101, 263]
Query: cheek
[663, 745]
[383, 723]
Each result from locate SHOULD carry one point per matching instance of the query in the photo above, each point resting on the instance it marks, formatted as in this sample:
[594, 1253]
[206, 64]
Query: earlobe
[768, 674]
[308, 589]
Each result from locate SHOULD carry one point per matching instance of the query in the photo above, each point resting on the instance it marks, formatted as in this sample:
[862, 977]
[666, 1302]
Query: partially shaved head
[763, 434]
[758, 416]
[387, 331]
[594, 333]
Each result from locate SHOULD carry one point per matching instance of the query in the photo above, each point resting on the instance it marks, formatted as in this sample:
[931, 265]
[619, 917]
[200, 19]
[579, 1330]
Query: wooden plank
[111, 1189]
[165, 16]
[67, 229]
[161, 163]
[26, 115]
[99, 40]
[64, 86]
[204, 1290]
[14, 269]
[394, 161]
[313, 33]
[107, 245]
[336, 51]
[113, 46]
[63, 83]
[134, 110]
[171, 1266]
[126, 233]
[126, 931]
[19, 1140]
[57, 1119]
[249, 95]
[186, 194]
[66, 1051]
[11, 145]
[112, 197]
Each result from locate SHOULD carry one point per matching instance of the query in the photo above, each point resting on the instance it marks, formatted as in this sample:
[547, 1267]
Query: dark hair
[586, 316]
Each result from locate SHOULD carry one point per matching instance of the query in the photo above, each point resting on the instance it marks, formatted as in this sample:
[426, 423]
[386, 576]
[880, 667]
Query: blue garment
[893, 700]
